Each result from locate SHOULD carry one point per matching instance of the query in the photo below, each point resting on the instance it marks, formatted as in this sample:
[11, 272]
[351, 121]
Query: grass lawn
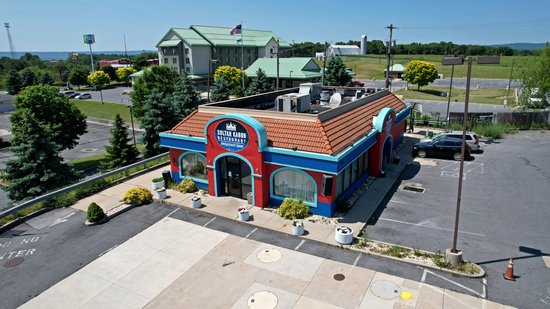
[104, 111]
[83, 164]
[372, 66]
[482, 95]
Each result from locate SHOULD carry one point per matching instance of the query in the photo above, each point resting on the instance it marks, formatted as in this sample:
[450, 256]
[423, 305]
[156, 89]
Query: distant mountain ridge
[522, 46]
[64, 55]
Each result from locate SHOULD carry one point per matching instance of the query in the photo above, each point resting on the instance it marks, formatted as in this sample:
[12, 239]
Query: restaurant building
[316, 144]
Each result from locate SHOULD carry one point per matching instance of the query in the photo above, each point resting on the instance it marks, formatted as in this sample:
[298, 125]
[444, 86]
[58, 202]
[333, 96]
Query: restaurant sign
[231, 135]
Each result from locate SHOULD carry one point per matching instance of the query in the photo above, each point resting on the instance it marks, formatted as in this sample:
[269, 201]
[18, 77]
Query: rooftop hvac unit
[325, 97]
[293, 102]
[313, 89]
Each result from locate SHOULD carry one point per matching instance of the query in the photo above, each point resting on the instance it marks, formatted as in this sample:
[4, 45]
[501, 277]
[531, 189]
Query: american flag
[235, 30]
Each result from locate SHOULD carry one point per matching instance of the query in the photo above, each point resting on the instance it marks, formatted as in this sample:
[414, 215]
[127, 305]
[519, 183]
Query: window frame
[282, 198]
[195, 179]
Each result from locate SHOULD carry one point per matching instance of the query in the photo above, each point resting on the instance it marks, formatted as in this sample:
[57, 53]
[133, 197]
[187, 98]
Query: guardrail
[78, 185]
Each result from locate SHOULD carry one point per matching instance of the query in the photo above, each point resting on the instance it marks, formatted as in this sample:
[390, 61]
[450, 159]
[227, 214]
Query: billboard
[89, 39]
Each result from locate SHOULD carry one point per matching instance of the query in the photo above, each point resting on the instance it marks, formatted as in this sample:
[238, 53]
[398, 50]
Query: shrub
[137, 196]
[91, 188]
[187, 185]
[95, 213]
[158, 179]
[293, 209]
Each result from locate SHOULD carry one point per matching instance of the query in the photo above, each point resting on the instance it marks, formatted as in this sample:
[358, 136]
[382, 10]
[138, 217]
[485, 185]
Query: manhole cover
[89, 150]
[339, 277]
[262, 300]
[413, 187]
[14, 262]
[269, 255]
[385, 289]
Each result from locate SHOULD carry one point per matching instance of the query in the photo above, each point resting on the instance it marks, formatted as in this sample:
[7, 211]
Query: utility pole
[324, 64]
[12, 48]
[391, 27]
[277, 55]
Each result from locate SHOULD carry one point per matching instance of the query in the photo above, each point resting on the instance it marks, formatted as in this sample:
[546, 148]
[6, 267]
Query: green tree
[420, 73]
[123, 74]
[140, 62]
[535, 82]
[158, 116]
[13, 84]
[336, 73]
[28, 78]
[259, 84]
[99, 78]
[185, 97]
[46, 79]
[60, 67]
[78, 76]
[119, 152]
[63, 120]
[110, 71]
[159, 77]
[233, 76]
[220, 90]
[38, 167]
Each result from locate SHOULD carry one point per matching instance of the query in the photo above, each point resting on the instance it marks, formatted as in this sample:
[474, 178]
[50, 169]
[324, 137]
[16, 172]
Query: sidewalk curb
[20, 220]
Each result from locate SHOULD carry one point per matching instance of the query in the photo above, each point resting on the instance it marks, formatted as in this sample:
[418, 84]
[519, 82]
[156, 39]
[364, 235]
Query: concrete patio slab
[116, 297]
[263, 296]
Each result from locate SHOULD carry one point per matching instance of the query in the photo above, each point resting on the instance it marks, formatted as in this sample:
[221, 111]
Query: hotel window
[173, 51]
[188, 70]
[164, 51]
[193, 165]
[174, 60]
[294, 184]
[165, 60]
[187, 60]
[187, 51]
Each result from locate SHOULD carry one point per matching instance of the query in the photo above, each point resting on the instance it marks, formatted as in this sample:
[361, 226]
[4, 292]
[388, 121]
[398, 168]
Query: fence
[61, 191]
[516, 119]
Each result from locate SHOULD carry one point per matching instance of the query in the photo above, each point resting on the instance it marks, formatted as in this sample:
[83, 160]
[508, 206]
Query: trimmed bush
[187, 185]
[94, 213]
[158, 179]
[293, 209]
[137, 196]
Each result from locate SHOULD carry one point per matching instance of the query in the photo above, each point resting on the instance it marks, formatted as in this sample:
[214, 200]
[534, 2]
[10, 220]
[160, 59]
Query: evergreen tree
[38, 167]
[158, 77]
[259, 84]
[185, 98]
[28, 78]
[47, 79]
[13, 84]
[159, 116]
[119, 152]
[220, 91]
[336, 73]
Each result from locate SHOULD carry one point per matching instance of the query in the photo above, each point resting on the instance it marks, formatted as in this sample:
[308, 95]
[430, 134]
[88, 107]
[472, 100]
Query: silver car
[471, 138]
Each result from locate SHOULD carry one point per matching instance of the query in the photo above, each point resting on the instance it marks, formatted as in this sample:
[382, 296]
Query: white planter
[161, 194]
[298, 230]
[244, 216]
[343, 235]
[196, 202]
[157, 185]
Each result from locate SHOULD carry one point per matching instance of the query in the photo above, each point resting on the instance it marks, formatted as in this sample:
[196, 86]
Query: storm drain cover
[413, 187]
[14, 262]
[339, 277]
[89, 150]
[269, 255]
[262, 300]
[385, 289]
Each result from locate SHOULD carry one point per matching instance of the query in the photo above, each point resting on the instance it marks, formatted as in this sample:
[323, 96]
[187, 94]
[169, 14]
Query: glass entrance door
[235, 177]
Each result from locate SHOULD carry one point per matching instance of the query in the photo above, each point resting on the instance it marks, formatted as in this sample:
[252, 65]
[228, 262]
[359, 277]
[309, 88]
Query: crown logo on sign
[231, 127]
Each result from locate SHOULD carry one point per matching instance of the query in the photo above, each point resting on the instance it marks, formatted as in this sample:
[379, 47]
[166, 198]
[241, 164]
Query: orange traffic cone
[509, 275]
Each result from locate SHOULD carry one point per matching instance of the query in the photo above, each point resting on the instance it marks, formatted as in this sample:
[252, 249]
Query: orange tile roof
[328, 137]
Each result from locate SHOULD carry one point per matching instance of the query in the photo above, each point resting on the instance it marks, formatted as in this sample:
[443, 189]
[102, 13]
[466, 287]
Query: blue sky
[53, 25]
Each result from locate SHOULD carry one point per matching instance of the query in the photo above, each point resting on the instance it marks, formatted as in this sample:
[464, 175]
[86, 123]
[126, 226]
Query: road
[457, 83]
[430, 107]
[55, 245]
[504, 213]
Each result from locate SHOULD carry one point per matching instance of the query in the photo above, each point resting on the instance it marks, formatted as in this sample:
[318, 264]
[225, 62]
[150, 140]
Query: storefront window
[294, 184]
[193, 165]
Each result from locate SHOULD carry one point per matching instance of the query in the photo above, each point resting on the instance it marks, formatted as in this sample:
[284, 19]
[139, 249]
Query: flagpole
[242, 54]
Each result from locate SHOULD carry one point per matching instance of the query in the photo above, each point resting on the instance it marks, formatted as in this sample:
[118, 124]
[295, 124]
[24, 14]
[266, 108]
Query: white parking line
[430, 227]
[300, 244]
[248, 235]
[456, 283]
[415, 204]
[209, 221]
[357, 259]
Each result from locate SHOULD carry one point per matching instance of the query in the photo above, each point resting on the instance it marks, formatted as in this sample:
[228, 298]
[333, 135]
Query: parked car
[68, 93]
[444, 147]
[83, 96]
[471, 138]
[74, 95]
[358, 83]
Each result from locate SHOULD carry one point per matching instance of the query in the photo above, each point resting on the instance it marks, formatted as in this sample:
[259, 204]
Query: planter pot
[298, 230]
[157, 185]
[196, 202]
[343, 235]
[244, 216]
[161, 194]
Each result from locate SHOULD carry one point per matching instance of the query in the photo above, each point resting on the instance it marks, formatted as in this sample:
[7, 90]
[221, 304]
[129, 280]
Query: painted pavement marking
[248, 235]
[62, 219]
[206, 224]
[300, 244]
[430, 227]
[19, 252]
[457, 284]
[357, 259]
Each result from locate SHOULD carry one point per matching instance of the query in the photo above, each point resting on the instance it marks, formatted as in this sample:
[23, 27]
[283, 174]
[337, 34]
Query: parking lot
[504, 213]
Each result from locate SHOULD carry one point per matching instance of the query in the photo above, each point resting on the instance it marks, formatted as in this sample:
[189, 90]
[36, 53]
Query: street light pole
[132, 120]
[210, 62]
[290, 79]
